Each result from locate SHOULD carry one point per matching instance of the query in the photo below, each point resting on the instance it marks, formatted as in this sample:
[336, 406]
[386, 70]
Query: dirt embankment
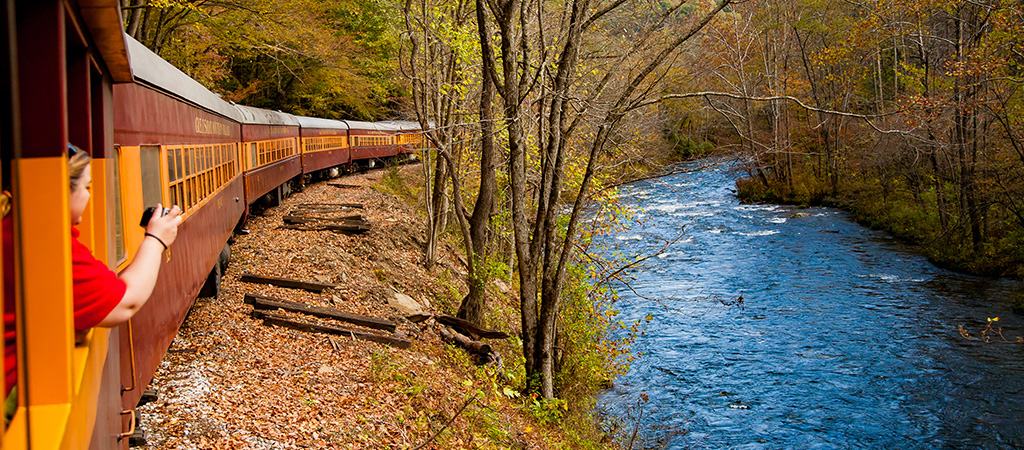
[231, 382]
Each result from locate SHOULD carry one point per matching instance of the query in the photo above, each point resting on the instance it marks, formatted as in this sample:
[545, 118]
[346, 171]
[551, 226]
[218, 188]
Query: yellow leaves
[993, 319]
[509, 392]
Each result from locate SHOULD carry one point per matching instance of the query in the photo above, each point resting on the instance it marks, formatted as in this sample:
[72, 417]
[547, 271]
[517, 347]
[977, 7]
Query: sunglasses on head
[72, 150]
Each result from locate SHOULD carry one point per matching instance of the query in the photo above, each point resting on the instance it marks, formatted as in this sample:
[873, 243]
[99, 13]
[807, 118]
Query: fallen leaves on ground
[230, 382]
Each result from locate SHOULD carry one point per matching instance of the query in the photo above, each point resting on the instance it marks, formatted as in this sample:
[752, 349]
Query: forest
[909, 114]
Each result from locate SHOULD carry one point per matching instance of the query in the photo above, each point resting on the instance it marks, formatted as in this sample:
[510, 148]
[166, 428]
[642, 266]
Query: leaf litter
[230, 382]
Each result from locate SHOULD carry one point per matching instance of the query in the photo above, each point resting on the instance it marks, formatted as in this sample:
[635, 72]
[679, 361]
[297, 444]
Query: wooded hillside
[324, 58]
[909, 113]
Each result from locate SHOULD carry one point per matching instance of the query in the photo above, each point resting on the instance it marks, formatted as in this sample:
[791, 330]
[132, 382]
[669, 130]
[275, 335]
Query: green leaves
[334, 58]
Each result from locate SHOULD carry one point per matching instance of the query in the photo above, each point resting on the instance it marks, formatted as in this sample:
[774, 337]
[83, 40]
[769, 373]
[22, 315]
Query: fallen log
[470, 328]
[475, 347]
[261, 302]
[270, 318]
[285, 282]
[417, 318]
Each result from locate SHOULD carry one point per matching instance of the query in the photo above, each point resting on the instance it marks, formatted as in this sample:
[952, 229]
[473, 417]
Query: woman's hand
[165, 227]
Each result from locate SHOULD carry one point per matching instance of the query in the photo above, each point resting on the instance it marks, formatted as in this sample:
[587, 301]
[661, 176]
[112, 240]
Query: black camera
[148, 214]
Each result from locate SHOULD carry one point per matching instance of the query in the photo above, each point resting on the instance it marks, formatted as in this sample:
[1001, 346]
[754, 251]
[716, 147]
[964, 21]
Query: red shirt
[10, 336]
[97, 289]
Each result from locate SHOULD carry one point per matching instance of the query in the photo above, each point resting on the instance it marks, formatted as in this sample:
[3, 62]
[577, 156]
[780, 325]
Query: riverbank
[229, 381]
[904, 216]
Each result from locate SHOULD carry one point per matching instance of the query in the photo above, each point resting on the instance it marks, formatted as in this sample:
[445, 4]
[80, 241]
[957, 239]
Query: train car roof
[316, 122]
[259, 116]
[402, 125]
[103, 18]
[151, 69]
[375, 126]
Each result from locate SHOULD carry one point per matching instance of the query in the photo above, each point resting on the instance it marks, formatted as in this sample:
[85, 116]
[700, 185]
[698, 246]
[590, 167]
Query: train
[156, 136]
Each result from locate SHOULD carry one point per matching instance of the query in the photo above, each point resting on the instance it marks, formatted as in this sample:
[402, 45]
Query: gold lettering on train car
[207, 126]
[279, 131]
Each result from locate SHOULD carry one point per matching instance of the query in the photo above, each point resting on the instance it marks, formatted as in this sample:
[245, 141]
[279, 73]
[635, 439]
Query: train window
[177, 164]
[188, 164]
[118, 221]
[149, 162]
[171, 174]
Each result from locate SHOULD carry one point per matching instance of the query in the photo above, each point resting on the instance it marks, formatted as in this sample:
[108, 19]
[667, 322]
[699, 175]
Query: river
[844, 337]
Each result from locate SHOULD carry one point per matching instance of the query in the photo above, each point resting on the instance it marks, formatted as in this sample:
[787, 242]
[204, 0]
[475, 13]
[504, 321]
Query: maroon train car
[324, 144]
[372, 141]
[408, 138]
[270, 149]
[176, 143]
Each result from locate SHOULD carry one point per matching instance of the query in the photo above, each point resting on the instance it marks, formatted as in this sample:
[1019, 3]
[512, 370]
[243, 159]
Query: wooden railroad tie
[293, 218]
[272, 318]
[260, 302]
[346, 186]
[327, 207]
[312, 217]
[286, 282]
[337, 228]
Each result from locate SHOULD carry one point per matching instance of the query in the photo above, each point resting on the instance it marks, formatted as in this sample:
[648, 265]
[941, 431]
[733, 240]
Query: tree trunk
[437, 210]
[473, 306]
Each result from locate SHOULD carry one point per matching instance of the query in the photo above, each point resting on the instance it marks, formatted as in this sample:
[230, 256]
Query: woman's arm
[140, 276]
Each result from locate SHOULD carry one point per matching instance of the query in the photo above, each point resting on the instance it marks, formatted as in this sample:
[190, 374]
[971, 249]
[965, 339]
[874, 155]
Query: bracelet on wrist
[161, 241]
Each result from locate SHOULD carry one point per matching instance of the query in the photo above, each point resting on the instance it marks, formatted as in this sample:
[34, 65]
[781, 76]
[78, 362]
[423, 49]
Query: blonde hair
[76, 165]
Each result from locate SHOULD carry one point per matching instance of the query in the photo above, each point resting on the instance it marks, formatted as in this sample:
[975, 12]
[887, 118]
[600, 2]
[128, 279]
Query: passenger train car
[156, 136]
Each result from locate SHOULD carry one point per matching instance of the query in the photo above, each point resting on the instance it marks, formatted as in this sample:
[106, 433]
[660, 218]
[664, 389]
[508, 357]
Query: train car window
[177, 164]
[119, 250]
[188, 164]
[149, 165]
[171, 175]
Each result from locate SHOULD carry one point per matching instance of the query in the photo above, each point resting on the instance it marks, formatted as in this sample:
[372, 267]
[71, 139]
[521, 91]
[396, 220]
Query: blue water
[844, 337]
